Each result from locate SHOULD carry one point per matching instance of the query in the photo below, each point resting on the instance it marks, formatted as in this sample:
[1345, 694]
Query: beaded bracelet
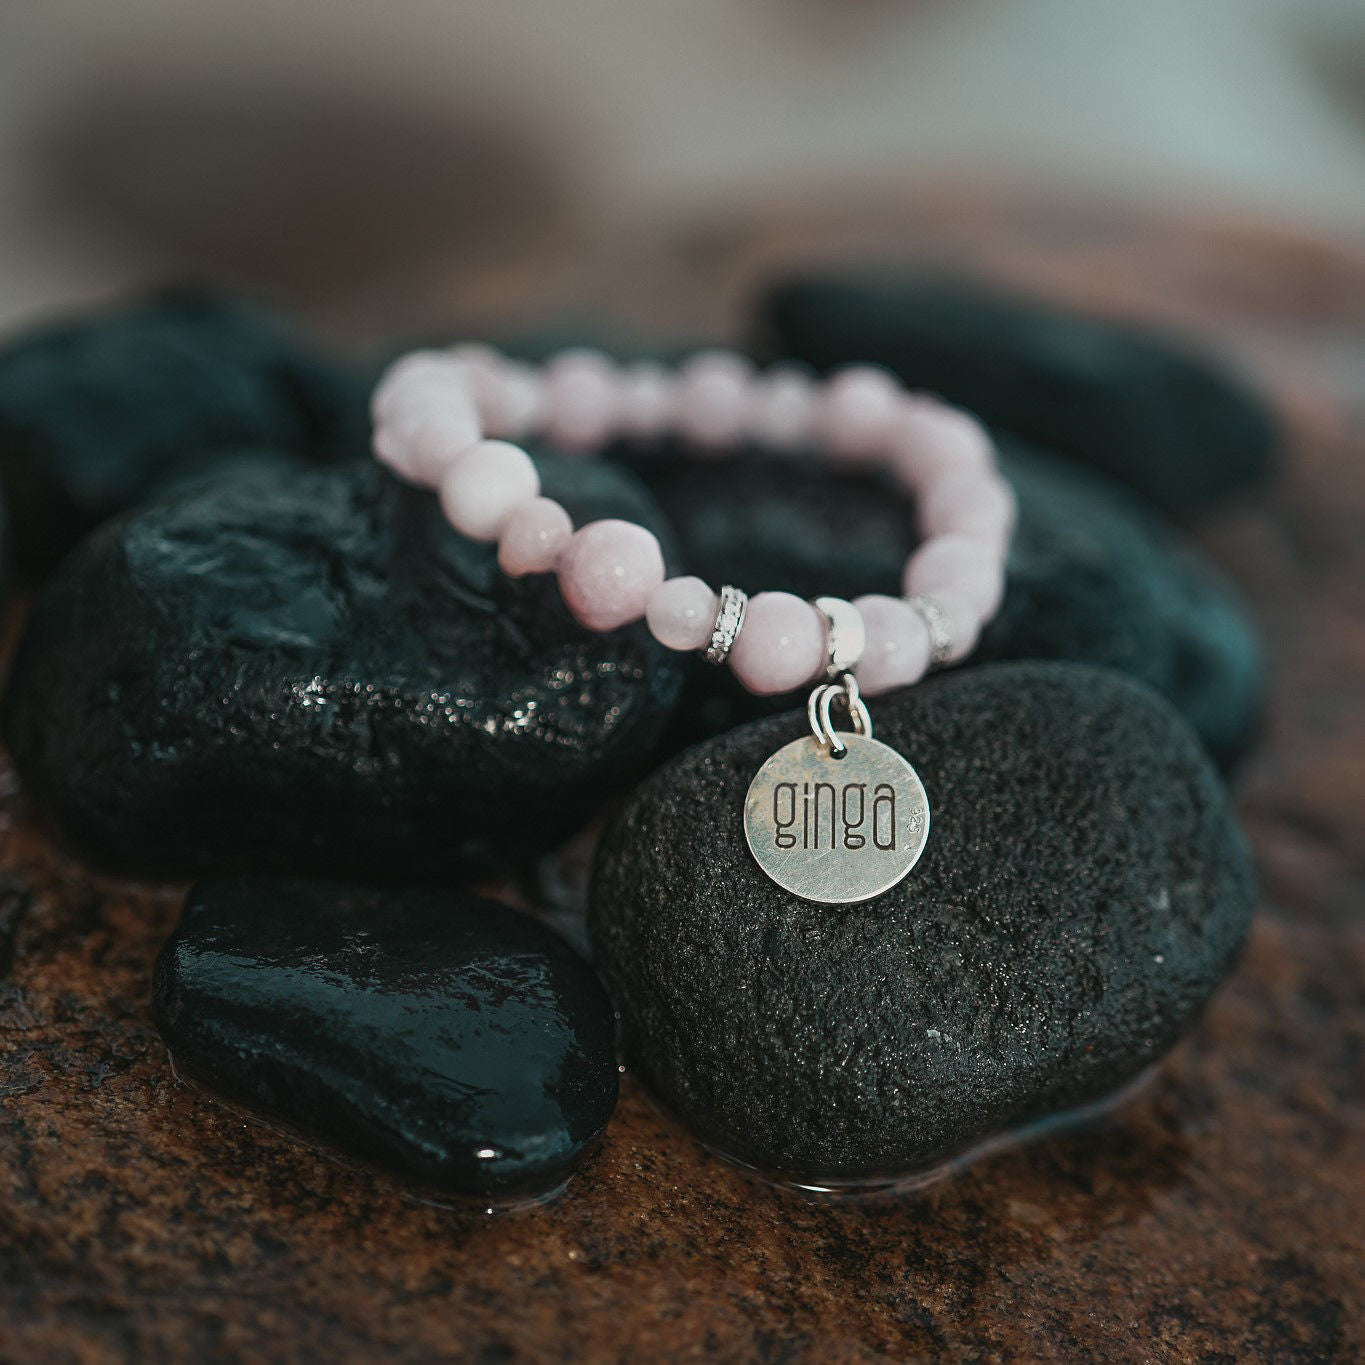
[433, 410]
[838, 819]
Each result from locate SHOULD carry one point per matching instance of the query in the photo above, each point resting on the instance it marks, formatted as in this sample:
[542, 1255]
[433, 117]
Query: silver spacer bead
[940, 633]
[845, 635]
[729, 620]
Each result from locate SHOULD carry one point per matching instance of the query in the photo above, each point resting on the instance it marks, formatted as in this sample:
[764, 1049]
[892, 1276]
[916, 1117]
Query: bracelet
[447, 419]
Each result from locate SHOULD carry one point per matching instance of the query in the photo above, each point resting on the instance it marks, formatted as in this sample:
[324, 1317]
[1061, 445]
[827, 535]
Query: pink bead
[412, 373]
[858, 409]
[581, 399]
[682, 613]
[648, 400]
[511, 400]
[609, 571]
[533, 537]
[898, 645]
[959, 564]
[932, 441]
[969, 504]
[781, 645]
[713, 398]
[440, 438]
[482, 489]
[782, 407]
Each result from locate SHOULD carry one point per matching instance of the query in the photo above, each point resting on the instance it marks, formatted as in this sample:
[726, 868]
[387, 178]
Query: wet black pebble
[1083, 891]
[1094, 577]
[1170, 421]
[441, 1036]
[101, 411]
[310, 671]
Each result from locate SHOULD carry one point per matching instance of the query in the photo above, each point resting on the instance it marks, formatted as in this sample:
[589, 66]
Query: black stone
[1094, 577]
[1083, 891]
[311, 671]
[1170, 421]
[100, 412]
[447, 1038]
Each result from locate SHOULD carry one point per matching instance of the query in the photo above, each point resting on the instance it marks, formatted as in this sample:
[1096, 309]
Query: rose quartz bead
[858, 409]
[969, 504]
[781, 645]
[440, 438]
[581, 399]
[959, 564]
[412, 373]
[713, 398]
[608, 572]
[898, 645]
[482, 489]
[931, 441]
[648, 400]
[533, 537]
[511, 400]
[682, 613]
[782, 407]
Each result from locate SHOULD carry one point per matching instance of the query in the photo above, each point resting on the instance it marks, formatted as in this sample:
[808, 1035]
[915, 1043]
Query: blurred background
[384, 166]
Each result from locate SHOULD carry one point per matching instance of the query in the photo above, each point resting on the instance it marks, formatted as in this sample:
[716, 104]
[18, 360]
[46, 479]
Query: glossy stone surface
[311, 671]
[446, 1038]
[100, 412]
[1083, 890]
[1173, 423]
[1093, 577]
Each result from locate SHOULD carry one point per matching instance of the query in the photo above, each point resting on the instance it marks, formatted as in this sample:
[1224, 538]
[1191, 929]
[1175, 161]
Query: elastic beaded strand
[434, 412]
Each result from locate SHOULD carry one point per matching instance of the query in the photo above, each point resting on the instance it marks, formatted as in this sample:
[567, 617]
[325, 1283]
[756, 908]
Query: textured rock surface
[447, 1038]
[1094, 577]
[1167, 420]
[310, 671]
[99, 413]
[1083, 891]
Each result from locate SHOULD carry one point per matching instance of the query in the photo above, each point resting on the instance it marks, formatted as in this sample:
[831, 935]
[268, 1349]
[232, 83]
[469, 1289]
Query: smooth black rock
[1083, 890]
[1151, 411]
[1094, 577]
[444, 1037]
[311, 671]
[100, 412]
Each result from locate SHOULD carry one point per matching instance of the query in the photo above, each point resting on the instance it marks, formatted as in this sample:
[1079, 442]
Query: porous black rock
[444, 1037]
[101, 411]
[1083, 891]
[1094, 576]
[310, 671]
[1169, 420]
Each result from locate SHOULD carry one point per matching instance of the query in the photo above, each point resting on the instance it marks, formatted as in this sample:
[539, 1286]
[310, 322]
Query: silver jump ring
[819, 711]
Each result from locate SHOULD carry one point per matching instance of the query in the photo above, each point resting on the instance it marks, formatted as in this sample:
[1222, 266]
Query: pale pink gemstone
[682, 613]
[898, 645]
[648, 400]
[512, 400]
[782, 408]
[713, 398]
[608, 572]
[581, 399]
[482, 489]
[955, 563]
[413, 373]
[969, 504]
[931, 441]
[858, 409]
[781, 645]
[533, 537]
[440, 438]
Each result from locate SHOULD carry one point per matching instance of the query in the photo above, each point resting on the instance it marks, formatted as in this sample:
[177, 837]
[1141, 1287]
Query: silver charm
[836, 817]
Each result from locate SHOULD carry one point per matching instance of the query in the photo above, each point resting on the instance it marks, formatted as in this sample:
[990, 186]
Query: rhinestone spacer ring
[940, 634]
[729, 621]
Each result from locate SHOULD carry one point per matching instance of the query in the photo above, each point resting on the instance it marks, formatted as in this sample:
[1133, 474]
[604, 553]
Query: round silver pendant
[836, 829]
